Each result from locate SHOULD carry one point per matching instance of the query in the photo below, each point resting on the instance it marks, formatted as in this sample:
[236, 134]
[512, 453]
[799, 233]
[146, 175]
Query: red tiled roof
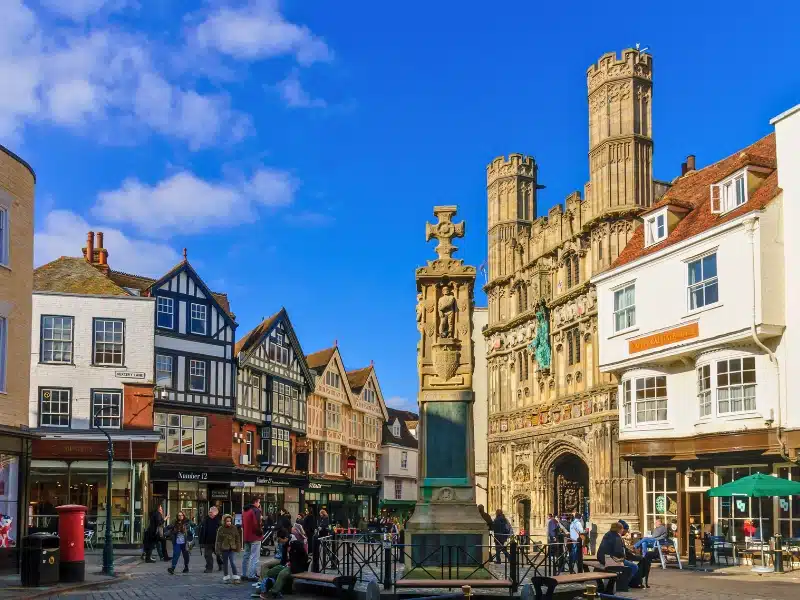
[74, 276]
[319, 360]
[254, 335]
[358, 378]
[692, 191]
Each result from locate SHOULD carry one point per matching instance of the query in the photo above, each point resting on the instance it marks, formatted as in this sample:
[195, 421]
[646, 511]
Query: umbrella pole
[761, 527]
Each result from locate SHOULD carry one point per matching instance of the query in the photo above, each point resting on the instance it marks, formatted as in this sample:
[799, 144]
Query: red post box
[71, 518]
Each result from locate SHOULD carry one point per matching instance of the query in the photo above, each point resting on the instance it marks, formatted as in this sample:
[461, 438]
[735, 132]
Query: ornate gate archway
[562, 479]
[571, 486]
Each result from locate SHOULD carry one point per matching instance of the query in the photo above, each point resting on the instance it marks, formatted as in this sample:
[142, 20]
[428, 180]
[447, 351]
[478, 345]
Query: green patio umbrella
[758, 485]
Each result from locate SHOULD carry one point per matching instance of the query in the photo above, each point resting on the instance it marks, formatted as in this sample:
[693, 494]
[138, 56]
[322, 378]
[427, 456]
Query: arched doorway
[524, 515]
[571, 486]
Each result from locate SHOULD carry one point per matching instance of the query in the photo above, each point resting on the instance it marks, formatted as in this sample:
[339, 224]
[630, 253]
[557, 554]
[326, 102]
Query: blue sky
[297, 148]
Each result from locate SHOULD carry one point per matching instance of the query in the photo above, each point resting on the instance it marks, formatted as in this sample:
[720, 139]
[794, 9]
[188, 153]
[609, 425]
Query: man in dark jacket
[208, 538]
[154, 535]
[502, 530]
[309, 524]
[285, 520]
[612, 551]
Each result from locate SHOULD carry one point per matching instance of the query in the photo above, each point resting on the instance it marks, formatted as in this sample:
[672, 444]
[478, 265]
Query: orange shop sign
[664, 338]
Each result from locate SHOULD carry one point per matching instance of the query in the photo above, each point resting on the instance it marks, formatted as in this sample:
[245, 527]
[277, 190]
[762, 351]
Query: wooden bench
[339, 581]
[623, 573]
[604, 580]
[453, 583]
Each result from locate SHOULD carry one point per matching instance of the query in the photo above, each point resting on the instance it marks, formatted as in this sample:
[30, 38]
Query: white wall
[662, 299]
[390, 470]
[787, 137]
[480, 410]
[81, 376]
[724, 329]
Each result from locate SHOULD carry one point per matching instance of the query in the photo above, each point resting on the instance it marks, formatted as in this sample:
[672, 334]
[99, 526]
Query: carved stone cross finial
[444, 231]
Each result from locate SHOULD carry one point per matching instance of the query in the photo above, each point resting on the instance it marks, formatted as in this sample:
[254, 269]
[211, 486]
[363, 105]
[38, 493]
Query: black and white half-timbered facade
[194, 343]
[273, 385]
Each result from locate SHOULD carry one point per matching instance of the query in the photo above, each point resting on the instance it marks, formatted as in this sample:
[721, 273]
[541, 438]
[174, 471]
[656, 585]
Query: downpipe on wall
[750, 228]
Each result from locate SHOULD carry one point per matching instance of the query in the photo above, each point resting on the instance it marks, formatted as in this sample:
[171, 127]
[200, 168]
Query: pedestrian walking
[154, 534]
[208, 539]
[228, 543]
[324, 523]
[252, 534]
[502, 530]
[181, 535]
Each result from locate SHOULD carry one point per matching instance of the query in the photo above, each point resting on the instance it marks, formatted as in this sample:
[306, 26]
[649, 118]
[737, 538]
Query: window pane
[200, 442]
[694, 272]
[710, 266]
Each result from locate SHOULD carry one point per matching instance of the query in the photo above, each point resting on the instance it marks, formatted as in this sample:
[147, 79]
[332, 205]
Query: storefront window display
[190, 497]
[734, 511]
[54, 483]
[9, 494]
[661, 497]
[788, 507]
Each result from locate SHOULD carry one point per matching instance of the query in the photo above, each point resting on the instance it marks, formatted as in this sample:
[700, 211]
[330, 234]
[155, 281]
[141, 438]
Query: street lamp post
[108, 547]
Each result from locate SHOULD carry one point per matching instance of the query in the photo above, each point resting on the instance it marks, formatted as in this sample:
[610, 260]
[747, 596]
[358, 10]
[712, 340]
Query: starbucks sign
[661, 504]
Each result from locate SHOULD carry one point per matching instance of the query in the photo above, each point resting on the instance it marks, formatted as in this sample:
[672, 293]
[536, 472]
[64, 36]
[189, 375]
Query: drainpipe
[750, 228]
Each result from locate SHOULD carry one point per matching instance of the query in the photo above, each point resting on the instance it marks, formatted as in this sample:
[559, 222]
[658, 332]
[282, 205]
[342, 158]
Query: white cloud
[293, 94]
[64, 234]
[186, 203]
[80, 10]
[256, 29]
[401, 403]
[99, 81]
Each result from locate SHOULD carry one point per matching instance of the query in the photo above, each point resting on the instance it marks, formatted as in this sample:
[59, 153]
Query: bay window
[651, 399]
[736, 385]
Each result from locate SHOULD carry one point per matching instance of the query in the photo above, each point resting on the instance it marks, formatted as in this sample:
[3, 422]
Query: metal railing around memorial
[376, 557]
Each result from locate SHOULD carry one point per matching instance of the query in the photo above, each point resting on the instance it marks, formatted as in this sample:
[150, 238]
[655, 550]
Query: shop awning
[398, 502]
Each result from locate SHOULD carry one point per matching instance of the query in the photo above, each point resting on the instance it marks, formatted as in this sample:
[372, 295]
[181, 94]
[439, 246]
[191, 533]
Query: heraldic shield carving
[445, 360]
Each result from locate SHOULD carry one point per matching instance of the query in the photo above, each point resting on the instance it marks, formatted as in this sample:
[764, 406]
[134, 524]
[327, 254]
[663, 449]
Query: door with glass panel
[788, 507]
[698, 505]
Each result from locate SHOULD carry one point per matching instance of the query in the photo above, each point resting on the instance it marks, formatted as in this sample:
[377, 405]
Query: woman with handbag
[181, 535]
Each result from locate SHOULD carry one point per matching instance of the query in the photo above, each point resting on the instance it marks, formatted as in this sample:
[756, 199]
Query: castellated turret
[511, 192]
[620, 132]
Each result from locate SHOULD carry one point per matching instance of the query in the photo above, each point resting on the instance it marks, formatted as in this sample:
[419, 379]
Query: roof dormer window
[655, 228]
[729, 193]
[396, 428]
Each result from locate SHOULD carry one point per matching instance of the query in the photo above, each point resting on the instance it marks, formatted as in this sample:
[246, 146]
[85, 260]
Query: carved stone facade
[549, 422]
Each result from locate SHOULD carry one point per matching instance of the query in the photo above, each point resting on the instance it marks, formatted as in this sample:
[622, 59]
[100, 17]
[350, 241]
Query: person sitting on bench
[277, 577]
[612, 552]
[658, 534]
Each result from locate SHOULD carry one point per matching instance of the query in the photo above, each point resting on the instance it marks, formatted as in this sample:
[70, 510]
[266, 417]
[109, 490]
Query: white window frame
[743, 387]
[705, 404]
[5, 235]
[333, 458]
[103, 399]
[59, 414]
[164, 422]
[65, 345]
[195, 308]
[170, 312]
[333, 379]
[627, 312]
[703, 283]
[396, 428]
[113, 344]
[404, 460]
[730, 193]
[627, 404]
[655, 227]
[195, 372]
[398, 489]
[171, 360]
[645, 386]
[249, 439]
[3, 353]
[333, 416]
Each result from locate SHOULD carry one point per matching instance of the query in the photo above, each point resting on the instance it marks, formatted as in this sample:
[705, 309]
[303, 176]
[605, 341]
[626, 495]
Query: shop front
[347, 504]
[15, 458]
[675, 489]
[192, 489]
[276, 492]
[76, 472]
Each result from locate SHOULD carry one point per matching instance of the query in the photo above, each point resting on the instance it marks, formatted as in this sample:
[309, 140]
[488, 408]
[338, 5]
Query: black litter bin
[40, 559]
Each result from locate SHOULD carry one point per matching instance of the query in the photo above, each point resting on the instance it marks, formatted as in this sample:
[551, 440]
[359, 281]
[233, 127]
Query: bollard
[467, 591]
[590, 591]
[778, 561]
[315, 554]
[512, 565]
[692, 551]
[387, 565]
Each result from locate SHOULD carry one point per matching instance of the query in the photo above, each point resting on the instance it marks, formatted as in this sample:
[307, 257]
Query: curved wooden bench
[339, 581]
[605, 580]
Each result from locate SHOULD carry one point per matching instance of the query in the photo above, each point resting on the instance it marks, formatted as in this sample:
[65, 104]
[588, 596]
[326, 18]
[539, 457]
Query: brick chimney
[88, 251]
[690, 163]
[96, 255]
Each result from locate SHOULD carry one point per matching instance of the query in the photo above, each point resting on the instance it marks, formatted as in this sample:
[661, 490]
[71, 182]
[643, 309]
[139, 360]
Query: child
[229, 542]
